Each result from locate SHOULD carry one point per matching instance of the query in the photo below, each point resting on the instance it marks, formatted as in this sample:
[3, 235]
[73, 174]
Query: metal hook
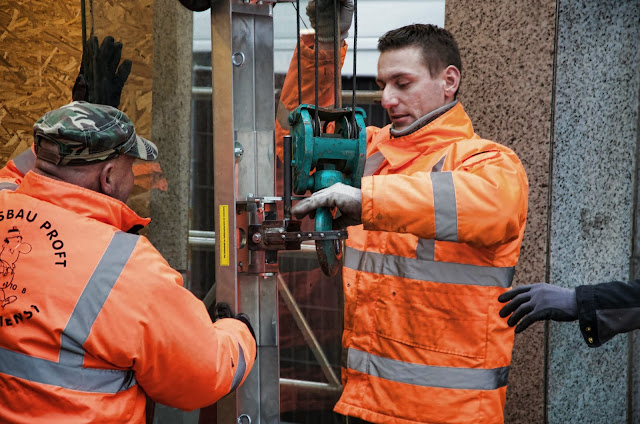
[241, 419]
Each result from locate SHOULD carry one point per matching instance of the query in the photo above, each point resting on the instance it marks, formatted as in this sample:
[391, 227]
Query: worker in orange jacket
[435, 237]
[92, 317]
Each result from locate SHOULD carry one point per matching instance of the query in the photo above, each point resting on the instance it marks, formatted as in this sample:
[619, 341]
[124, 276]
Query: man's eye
[402, 84]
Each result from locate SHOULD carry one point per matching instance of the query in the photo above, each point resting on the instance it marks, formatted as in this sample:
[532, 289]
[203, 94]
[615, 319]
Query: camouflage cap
[85, 133]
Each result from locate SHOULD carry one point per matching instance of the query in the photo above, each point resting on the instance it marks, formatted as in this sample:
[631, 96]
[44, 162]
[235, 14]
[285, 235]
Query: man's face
[408, 89]
[122, 175]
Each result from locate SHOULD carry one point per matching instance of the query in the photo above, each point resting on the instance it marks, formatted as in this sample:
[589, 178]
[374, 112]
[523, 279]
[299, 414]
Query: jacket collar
[450, 127]
[82, 201]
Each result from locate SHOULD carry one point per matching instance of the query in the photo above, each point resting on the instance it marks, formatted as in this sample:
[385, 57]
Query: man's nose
[389, 99]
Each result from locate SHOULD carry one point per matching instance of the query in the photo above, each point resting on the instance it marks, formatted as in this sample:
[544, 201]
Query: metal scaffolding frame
[244, 185]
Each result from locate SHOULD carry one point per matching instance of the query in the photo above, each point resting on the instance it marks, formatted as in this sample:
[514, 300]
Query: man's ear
[451, 77]
[107, 179]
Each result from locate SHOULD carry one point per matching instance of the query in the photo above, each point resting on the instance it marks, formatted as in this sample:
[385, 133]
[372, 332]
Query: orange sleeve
[153, 325]
[289, 96]
[482, 202]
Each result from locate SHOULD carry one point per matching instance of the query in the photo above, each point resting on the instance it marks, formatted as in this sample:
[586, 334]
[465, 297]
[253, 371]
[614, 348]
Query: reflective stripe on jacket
[443, 217]
[92, 317]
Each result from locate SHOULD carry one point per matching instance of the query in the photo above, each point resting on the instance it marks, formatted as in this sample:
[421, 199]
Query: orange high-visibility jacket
[92, 317]
[443, 216]
[16, 168]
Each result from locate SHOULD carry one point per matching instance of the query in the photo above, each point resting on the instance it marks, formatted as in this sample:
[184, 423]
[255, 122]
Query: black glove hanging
[101, 76]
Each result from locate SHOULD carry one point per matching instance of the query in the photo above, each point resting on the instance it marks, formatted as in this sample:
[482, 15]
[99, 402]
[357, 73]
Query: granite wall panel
[594, 144]
[507, 83]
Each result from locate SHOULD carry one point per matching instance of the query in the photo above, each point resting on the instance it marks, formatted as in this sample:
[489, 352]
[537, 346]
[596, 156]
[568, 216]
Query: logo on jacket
[11, 248]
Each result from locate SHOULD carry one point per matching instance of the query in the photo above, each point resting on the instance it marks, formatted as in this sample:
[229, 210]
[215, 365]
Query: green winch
[321, 159]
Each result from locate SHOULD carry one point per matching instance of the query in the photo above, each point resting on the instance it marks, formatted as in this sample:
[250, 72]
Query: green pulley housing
[337, 157]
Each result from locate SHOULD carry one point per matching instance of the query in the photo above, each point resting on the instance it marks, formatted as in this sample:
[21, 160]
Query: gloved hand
[537, 302]
[324, 24]
[101, 76]
[222, 310]
[346, 198]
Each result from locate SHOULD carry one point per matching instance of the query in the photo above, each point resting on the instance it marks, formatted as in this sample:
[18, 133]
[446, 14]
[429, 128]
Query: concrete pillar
[171, 131]
[171, 128]
[558, 82]
[507, 81]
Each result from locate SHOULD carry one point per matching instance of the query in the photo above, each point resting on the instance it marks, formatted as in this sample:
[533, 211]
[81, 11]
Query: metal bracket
[281, 235]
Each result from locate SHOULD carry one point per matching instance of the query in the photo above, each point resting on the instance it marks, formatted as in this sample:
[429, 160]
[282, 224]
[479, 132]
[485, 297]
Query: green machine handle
[338, 156]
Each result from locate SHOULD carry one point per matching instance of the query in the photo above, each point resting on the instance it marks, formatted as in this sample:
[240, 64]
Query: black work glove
[101, 76]
[537, 302]
[324, 23]
[222, 310]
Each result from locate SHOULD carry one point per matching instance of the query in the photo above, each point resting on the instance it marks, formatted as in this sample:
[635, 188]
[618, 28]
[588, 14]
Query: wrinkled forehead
[397, 62]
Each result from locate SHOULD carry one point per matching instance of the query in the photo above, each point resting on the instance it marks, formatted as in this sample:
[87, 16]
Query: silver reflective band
[25, 161]
[240, 370]
[426, 249]
[93, 297]
[427, 375]
[425, 270]
[438, 166]
[444, 206]
[8, 186]
[70, 377]
[373, 163]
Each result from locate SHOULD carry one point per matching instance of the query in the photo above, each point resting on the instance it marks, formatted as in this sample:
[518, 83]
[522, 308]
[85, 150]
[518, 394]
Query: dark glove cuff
[587, 315]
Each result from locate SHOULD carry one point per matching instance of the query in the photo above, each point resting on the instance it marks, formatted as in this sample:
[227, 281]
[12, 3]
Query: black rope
[355, 51]
[84, 23]
[93, 24]
[315, 118]
[337, 101]
[297, 6]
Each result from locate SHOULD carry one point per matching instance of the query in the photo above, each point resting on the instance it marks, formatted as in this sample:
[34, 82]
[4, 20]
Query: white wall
[375, 17]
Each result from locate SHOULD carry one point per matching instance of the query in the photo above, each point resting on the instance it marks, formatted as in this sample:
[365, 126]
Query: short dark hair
[439, 49]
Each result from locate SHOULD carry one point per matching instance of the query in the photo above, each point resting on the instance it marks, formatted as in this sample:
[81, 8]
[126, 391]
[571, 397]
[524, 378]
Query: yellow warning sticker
[224, 235]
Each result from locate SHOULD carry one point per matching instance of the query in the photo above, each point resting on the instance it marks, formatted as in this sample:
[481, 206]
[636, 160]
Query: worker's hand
[346, 198]
[222, 310]
[537, 302]
[101, 76]
[324, 24]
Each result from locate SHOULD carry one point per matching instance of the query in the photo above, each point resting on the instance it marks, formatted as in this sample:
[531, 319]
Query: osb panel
[130, 22]
[40, 53]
